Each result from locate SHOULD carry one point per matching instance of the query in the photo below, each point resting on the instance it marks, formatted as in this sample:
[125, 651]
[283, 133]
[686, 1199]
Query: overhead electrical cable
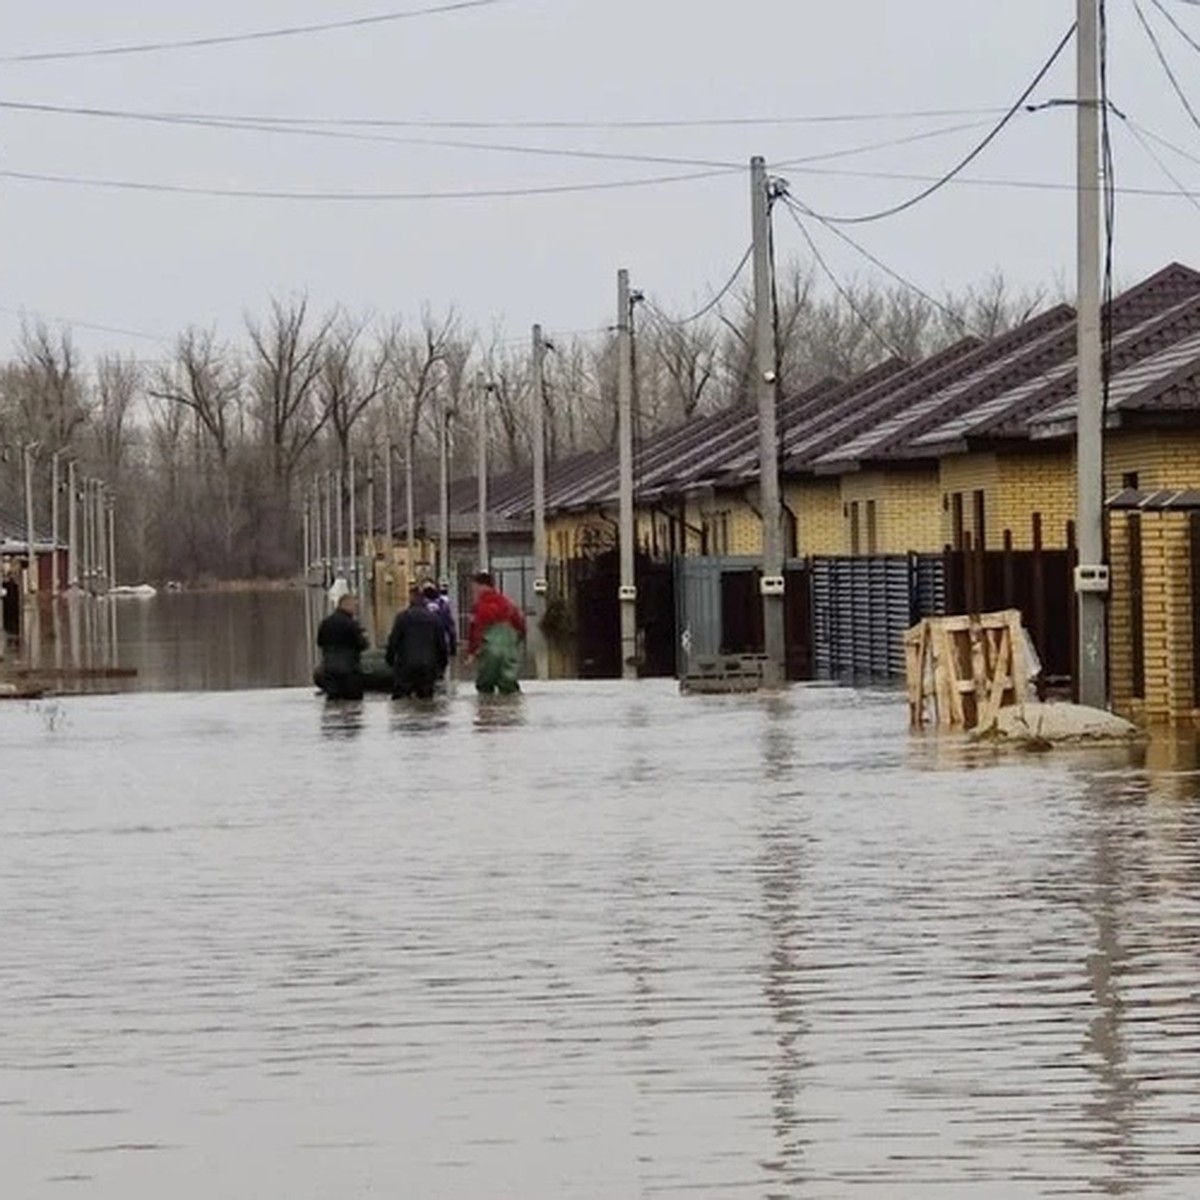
[951, 175]
[238, 124]
[714, 302]
[842, 290]
[875, 261]
[260, 35]
[1165, 63]
[131, 185]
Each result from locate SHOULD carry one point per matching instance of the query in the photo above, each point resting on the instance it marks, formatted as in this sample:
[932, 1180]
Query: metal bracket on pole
[540, 587]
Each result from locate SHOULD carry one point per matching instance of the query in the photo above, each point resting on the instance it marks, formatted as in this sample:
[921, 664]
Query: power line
[260, 35]
[131, 185]
[951, 175]
[1183, 33]
[244, 124]
[68, 322]
[1165, 63]
[421, 123]
[1142, 137]
[842, 291]
[716, 300]
[893, 274]
[1034, 185]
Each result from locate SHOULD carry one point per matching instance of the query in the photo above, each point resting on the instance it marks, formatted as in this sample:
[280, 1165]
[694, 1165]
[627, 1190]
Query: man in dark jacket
[416, 650]
[342, 641]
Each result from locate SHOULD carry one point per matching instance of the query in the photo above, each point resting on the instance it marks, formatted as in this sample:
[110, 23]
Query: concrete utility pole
[352, 521]
[328, 528]
[443, 491]
[72, 526]
[339, 484]
[389, 502]
[1091, 578]
[627, 594]
[55, 513]
[31, 580]
[537, 425]
[112, 541]
[766, 383]
[485, 391]
[306, 556]
[410, 504]
[101, 526]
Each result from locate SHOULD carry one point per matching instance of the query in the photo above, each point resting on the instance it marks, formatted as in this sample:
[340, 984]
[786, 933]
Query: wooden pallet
[965, 669]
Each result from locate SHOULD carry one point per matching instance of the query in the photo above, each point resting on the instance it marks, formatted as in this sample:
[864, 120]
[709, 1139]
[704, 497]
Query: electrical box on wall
[772, 585]
[1093, 580]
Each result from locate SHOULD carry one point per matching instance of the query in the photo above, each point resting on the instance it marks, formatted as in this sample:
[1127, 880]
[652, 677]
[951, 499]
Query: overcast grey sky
[154, 263]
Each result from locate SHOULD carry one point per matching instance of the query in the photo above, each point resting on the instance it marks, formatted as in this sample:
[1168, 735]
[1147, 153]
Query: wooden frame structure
[966, 669]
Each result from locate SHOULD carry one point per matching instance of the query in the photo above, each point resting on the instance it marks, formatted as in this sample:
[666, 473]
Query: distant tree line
[208, 449]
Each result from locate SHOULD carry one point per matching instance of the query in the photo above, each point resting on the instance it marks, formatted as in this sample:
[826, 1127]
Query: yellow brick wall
[1015, 486]
[1042, 482]
[1163, 459]
[908, 512]
[817, 504]
[1166, 620]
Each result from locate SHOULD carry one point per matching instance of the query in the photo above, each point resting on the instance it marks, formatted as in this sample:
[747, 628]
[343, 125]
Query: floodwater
[189, 641]
[601, 941]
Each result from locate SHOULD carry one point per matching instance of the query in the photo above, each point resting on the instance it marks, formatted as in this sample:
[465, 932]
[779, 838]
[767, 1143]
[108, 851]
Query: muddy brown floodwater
[603, 941]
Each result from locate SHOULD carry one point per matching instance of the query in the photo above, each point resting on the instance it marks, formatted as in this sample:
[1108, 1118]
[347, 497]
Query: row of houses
[968, 452]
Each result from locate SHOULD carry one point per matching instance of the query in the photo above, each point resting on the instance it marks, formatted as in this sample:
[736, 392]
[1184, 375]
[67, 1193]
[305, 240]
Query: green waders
[499, 663]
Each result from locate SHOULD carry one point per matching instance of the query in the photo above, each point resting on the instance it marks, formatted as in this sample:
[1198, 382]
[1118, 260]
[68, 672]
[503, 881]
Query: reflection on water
[594, 941]
[177, 642]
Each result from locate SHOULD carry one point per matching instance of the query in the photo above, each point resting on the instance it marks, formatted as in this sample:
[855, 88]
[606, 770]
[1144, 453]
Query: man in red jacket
[497, 633]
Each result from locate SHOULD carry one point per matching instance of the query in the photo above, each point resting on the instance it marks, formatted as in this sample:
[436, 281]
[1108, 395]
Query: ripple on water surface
[601, 941]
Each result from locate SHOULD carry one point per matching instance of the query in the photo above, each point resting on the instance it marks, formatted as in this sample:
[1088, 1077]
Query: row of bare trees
[209, 448]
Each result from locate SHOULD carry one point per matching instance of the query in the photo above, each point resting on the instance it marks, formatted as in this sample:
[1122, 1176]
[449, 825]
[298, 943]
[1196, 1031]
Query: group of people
[424, 641]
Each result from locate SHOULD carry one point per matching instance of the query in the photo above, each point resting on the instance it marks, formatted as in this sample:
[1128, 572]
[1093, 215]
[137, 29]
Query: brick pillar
[1178, 565]
[1120, 630]
[1155, 624]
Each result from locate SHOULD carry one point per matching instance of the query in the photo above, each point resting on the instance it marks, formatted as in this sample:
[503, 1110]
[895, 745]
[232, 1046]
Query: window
[872, 528]
[855, 532]
[979, 522]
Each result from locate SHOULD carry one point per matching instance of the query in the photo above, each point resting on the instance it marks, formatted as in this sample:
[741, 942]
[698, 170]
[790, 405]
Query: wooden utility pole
[627, 591]
[766, 384]
[537, 424]
[1091, 577]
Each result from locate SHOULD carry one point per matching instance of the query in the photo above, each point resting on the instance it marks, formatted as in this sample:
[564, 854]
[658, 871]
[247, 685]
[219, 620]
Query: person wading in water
[440, 606]
[342, 641]
[497, 634]
[417, 650]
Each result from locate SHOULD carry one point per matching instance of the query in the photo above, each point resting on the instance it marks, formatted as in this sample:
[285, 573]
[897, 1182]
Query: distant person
[497, 633]
[440, 606]
[416, 649]
[342, 641]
